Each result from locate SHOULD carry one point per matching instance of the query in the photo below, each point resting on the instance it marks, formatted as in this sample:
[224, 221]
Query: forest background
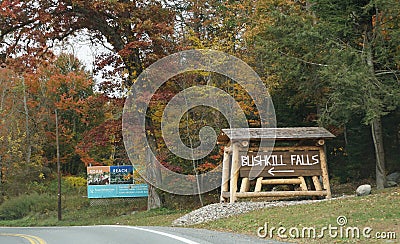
[326, 63]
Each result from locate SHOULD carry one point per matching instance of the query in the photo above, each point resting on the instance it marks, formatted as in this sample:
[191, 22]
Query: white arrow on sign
[272, 171]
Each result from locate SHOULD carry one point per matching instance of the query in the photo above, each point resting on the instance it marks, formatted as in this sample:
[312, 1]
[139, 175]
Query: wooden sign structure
[244, 159]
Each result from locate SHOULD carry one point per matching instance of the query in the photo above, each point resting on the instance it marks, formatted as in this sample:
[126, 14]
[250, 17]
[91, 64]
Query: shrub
[21, 206]
[74, 181]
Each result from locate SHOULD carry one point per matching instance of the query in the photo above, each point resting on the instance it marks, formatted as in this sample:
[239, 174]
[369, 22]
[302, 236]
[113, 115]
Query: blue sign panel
[114, 181]
[122, 190]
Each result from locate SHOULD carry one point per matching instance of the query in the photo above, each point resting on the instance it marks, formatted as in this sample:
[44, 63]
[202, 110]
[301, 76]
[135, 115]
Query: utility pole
[58, 169]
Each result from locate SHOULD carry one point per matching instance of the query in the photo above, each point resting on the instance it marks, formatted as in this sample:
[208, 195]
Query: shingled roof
[292, 133]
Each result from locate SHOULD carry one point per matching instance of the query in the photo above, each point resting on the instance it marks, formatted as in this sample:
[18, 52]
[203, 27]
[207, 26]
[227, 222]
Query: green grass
[99, 216]
[40, 209]
[124, 214]
[380, 211]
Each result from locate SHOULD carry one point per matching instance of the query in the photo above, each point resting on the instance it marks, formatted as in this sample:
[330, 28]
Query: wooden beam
[281, 194]
[277, 149]
[281, 181]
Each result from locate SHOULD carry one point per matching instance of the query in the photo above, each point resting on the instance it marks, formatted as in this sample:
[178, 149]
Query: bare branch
[386, 72]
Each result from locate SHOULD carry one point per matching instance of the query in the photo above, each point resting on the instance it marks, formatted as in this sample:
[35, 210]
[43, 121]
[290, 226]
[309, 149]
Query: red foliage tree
[139, 32]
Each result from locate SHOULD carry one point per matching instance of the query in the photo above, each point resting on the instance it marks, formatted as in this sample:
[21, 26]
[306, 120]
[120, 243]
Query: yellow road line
[31, 239]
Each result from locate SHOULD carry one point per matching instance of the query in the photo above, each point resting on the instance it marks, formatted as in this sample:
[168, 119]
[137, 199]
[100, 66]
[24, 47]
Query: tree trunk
[154, 174]
[28, 133]
[153, 200]
[376, 129]
[58, 170]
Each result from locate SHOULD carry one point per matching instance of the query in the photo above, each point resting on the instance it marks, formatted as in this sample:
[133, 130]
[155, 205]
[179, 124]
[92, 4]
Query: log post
[303, 184]
[245, 186]
[225, 173]
[234, 172]
[258, 184]
[317, 184]
[325, 176]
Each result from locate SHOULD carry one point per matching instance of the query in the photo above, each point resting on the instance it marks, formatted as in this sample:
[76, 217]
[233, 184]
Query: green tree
[365, 63]
[340, 57]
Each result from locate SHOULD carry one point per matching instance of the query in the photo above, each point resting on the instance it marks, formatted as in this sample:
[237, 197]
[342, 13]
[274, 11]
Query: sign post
[247, 162]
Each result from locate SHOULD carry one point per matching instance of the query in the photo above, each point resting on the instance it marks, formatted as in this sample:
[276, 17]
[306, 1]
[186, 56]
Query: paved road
[119, 234]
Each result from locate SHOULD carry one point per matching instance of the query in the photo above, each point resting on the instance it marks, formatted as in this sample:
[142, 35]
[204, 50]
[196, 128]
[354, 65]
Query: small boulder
[363, 190]
[395, 177]
[392, 183]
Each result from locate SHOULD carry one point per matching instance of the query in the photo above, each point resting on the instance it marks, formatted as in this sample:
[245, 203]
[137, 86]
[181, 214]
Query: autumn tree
[139, 32]
[69, 88]
[102, 142]
[27, 129]
[16, 136]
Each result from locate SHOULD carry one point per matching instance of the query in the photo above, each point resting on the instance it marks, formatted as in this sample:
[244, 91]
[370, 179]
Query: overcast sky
[83, 48]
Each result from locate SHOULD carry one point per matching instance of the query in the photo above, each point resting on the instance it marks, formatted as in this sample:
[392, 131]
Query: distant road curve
[117, 234]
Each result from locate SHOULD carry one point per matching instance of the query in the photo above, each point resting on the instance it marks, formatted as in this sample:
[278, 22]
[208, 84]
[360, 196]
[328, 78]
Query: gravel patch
[222, 210]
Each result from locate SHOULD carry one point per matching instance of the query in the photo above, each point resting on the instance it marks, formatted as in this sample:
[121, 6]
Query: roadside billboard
[114, 181]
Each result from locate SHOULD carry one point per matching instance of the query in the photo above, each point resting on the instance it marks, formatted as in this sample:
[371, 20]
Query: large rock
[394, 177]
[363, 190]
